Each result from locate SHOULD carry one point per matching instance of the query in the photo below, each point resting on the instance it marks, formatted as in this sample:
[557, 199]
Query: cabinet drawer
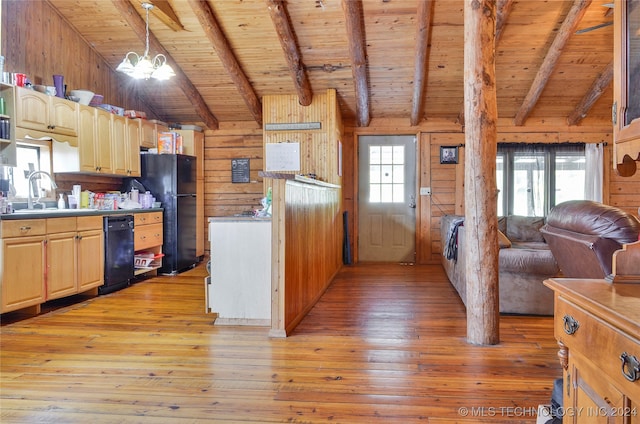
[603, 344]
[23, 228]
[61, 225]
[147, 218]
[146, 236]
[86, 223]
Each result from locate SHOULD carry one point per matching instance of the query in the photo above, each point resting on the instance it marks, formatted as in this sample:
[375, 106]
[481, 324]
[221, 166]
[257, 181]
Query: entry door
[387, 198]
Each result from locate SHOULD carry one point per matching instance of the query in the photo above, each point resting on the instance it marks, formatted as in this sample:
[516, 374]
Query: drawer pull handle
[25, 228]
[570, 324]
[630, 367]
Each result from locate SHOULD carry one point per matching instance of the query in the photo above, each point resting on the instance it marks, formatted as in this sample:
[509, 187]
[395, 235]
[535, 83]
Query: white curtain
[593, 171]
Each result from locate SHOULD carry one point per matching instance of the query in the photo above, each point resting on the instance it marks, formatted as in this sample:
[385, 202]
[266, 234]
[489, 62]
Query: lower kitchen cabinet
[45, 259]
[148, 238]
[23, 264]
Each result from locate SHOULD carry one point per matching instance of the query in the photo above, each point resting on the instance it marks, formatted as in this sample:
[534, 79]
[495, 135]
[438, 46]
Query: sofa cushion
[528, 261]
[524, 228]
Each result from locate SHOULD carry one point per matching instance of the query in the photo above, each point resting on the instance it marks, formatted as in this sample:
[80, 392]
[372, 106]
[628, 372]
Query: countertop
[60, 213]
[239, 218]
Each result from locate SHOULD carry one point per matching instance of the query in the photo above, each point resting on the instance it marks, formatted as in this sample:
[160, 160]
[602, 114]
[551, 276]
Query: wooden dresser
[597, 325]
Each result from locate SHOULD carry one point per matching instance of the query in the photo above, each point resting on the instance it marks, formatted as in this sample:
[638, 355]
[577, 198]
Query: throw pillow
[503, 241]
[524, 228]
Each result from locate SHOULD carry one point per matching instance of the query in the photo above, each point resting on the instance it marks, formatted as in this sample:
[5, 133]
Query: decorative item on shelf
[58, 83]
[143, 67]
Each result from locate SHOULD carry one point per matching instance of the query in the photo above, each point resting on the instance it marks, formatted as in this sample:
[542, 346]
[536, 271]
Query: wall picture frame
[449, 154]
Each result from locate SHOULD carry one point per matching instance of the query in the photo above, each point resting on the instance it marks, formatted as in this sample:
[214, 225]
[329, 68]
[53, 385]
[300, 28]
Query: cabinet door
[132, 152]
[119, 144]
[148, 134]
[32, 109]
[87, 146]
[23, 272]
[61, 265]
[90, 259]
[63, 116]
[103, 141]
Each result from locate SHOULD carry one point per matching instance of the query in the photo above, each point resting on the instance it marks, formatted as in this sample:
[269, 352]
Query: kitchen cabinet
[132, 147]
[75, 255]
[48, 114]
[22, 272]
[90, 256]
[8, 145]
[148, 237]
[148, 134]
[626, 85]
[107, 144]
[94, 141]
[193, 144]
[597, 327]
[45, 259]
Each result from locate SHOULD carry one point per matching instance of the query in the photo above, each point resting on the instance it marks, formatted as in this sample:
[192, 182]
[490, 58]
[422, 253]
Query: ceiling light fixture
[142, 67]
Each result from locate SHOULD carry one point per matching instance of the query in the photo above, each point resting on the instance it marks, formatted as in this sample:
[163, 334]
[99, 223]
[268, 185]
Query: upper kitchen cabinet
[48, 114]
[626, 106]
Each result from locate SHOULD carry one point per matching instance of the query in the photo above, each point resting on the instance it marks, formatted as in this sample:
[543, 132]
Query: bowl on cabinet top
[84, 96]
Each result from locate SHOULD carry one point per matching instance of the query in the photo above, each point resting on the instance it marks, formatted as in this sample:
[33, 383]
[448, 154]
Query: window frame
[509, 151]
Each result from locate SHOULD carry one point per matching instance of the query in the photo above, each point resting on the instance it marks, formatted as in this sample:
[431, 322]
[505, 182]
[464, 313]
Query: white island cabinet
[239, 286]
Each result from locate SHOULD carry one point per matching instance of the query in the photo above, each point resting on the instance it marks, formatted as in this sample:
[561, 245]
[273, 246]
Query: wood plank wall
[306, 249]
[52, 46]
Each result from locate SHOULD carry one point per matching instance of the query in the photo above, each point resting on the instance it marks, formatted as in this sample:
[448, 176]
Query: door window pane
[386, 174]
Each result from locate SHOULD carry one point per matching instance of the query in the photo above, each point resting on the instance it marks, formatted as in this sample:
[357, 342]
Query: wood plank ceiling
[386, 58]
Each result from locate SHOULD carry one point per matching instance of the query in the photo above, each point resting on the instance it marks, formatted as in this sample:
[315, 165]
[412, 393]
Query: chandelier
[143, 67]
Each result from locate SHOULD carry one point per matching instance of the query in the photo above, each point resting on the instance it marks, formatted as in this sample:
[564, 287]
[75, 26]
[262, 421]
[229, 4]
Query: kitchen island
[239, 288]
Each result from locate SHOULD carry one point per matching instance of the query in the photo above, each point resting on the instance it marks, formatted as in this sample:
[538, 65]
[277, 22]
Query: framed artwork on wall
[449, 154]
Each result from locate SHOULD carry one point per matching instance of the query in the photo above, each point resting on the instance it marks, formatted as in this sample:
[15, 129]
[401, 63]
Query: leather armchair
[583, 235]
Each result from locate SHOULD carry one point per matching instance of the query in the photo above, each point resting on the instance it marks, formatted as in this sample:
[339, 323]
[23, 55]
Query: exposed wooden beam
[281, 22]
[599, 85]
[164, 12]
[481, 134]
[214, 33]
[503, 9]
[425, 10]
[567, 29]
[139, 27]
[355, 32]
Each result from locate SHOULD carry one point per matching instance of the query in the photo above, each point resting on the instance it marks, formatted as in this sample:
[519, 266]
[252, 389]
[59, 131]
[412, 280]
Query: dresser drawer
[147, 236]
[601, 343]
[147, 218]
[23, 228]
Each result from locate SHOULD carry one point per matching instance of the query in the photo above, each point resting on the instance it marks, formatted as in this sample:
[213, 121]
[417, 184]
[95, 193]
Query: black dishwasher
[118, 253]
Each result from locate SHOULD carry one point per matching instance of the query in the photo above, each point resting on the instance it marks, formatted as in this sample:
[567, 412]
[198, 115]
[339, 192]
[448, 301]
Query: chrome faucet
[30, 202]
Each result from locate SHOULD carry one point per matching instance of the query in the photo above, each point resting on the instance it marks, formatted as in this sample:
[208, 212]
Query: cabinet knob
[570, 324]
[630, 367]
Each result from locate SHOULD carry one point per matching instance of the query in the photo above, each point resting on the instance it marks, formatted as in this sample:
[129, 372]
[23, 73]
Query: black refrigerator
[171, 179]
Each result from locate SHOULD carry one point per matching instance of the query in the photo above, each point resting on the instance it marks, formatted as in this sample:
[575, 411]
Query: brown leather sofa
[583, 235]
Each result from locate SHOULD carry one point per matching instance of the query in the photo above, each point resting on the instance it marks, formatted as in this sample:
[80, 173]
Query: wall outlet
[425, 191]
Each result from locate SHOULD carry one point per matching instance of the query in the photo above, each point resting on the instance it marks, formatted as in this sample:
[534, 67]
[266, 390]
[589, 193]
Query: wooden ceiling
[230, 53]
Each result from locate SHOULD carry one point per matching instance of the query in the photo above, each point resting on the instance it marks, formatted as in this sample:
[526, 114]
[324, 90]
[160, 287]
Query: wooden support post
[483, 316]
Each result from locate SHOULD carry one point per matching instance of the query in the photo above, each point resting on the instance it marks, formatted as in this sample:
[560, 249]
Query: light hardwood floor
[385, 344]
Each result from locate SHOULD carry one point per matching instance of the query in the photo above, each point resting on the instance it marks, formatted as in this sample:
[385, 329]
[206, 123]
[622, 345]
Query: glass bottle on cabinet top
[626, 107]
